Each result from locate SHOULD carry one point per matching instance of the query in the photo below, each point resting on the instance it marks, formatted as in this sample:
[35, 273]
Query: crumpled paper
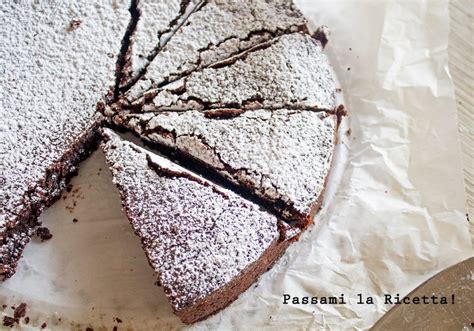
[393, 215]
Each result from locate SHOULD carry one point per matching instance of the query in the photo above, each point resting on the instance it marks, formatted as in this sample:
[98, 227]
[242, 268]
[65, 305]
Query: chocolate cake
[252, 119]
[58, 60]
[206, 244]
[237, 90]
[282, 156]
[215, 31]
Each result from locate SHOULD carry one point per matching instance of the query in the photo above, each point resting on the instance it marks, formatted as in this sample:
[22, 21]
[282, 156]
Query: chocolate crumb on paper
[9, 321]
[44, 233]
[20, 311]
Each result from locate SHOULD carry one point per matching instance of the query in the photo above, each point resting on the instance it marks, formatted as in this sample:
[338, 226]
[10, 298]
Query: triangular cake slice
[290, 71]
[216, 31]
[156, 21]
[58, 59]
[281, 156]
[206, 244]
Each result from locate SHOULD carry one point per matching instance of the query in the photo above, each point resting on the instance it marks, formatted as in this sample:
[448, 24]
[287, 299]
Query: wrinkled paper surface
[393, 215]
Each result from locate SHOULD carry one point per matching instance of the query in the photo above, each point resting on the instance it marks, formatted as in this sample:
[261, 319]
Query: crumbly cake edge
[55, 180]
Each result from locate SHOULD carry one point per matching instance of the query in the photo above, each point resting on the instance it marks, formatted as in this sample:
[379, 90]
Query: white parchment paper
[394, 214]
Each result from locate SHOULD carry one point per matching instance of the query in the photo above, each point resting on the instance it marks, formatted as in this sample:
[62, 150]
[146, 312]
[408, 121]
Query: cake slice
[290, 71]
[206, 244]
[281, 156]
[156, 22]
[58, 60]
[214, 32]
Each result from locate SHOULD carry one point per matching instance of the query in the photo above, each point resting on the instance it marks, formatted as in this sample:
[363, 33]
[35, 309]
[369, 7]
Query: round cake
[237, 97]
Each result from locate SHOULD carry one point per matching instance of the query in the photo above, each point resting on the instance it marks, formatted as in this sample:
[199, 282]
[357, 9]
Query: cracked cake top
[216, 31]
[197, 236]
[283, 155]
[291, 71]
[57, 62]
[158, 20]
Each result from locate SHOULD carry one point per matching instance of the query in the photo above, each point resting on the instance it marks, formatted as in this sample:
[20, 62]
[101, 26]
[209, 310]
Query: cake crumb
[322, 34]
[4, 306]
[341, 111]
[349, 132]
[44, 233]
[75, 220]
[89, 329]
[9, 321]
[44, 325]
[118, 320]
[20, 311]
[27, 320]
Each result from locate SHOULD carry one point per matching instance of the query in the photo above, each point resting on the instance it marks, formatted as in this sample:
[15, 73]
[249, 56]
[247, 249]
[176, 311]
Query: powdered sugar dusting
[57, 61]
[158, 21]
[284, 155]
[197, 236]
[216, 31]
[293, 71]
[156, 17]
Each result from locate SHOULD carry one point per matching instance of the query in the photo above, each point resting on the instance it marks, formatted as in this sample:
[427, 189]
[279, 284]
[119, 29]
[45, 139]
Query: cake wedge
[283, 157]
[206, 244]
[290, 71]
